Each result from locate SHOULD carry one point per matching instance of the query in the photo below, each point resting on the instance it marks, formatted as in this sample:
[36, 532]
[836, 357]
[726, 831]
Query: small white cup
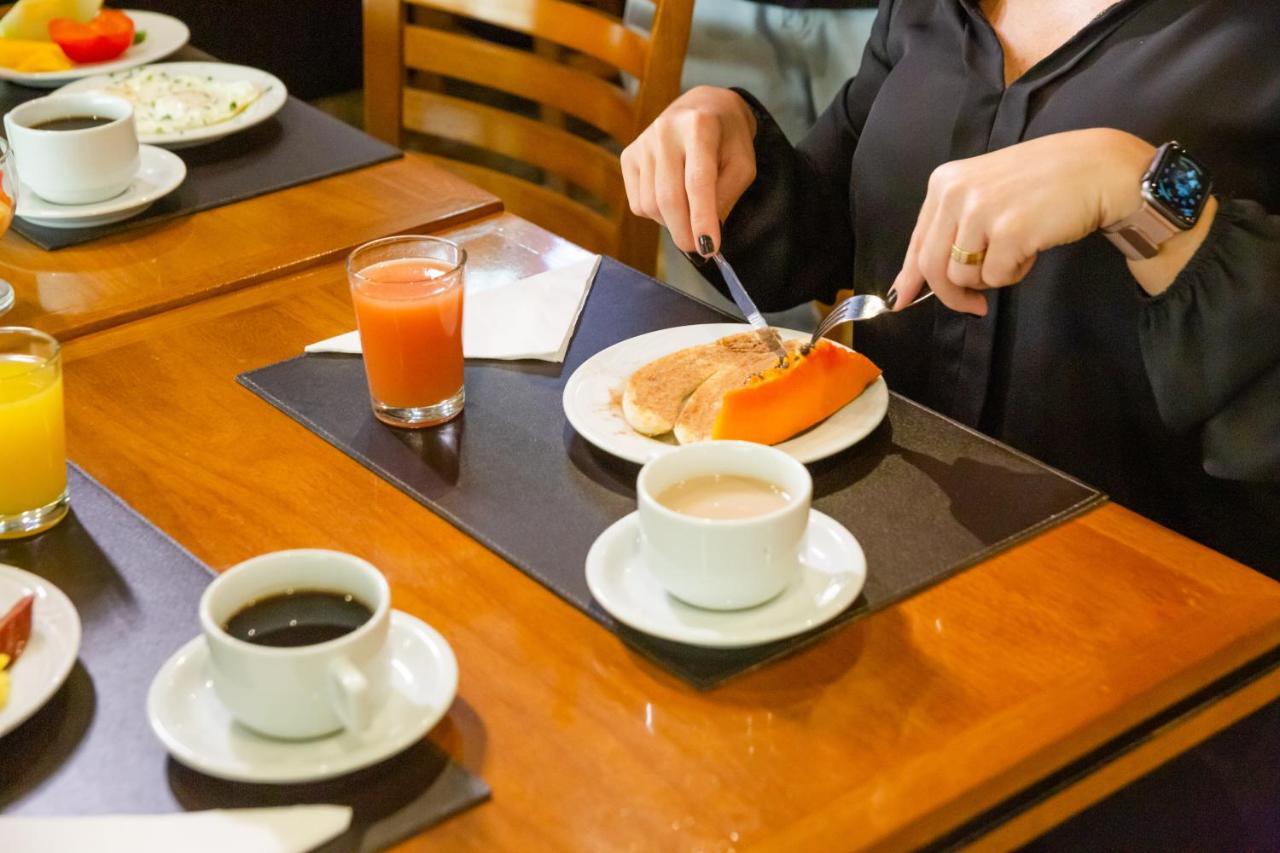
[300, 691]
[723, 564]
[75, 166]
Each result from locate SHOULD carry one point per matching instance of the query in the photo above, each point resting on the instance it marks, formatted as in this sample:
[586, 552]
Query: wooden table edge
[1201, 719]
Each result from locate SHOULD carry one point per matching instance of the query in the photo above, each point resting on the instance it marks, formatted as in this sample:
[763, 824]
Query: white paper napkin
[291, 829]
[530, 318]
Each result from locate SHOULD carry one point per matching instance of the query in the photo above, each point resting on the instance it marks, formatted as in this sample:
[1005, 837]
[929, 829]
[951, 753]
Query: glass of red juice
[407, 293]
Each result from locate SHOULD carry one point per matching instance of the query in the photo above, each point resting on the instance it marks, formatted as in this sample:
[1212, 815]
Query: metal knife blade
[749, 309]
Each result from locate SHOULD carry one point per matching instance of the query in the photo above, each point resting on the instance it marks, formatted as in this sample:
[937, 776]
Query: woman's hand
[688, 168]
[1015, 203]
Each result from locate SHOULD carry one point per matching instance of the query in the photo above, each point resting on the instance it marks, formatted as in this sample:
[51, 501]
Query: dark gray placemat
[924, 496]
[298, 145]
[90, 749]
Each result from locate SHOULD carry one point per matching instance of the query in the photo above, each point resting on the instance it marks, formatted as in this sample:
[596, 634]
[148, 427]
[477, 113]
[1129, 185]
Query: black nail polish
[891, 298]
[705, 246]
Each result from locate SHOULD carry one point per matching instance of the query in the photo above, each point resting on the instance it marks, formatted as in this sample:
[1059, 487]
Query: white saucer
[198, 730]
[51, 651]
[161, 173]
[833, 570]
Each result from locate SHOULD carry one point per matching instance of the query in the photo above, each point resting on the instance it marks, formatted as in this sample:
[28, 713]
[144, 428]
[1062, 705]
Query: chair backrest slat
[520, 73]
[563, 154]
[586, 30]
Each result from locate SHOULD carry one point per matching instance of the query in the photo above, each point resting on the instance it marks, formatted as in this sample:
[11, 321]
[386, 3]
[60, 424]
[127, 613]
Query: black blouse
[1170, 404]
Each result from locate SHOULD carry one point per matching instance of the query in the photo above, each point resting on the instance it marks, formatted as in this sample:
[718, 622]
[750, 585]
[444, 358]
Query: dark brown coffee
[301, 617]
[72, 123]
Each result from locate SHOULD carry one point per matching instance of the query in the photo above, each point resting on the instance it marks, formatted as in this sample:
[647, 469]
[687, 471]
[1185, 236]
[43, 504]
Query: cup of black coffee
[77, 148]
[298, 642]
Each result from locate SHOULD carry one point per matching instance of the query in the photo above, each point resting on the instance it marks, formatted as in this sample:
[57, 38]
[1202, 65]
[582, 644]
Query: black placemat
[298, 145]
[90, 749]
[924, 496]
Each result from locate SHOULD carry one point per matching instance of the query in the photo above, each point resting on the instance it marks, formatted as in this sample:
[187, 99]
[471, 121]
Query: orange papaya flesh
[784, 401]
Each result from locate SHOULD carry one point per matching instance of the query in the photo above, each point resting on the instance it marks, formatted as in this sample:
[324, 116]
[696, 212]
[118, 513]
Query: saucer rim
[122, 206]
[615, 530]
[183, 754]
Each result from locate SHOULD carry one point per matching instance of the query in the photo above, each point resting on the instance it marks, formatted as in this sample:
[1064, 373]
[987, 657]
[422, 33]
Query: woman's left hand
[1015, 203]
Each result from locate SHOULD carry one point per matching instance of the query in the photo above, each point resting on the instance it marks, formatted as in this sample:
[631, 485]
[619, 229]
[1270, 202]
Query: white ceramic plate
[165, 34]
[51, 652]
[198, 730]
[161, 173]
[273, 97]
[833, 570]
[591, 398]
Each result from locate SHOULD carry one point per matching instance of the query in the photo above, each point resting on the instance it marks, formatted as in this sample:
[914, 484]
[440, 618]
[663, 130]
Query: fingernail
[705, 246]
[891, 298]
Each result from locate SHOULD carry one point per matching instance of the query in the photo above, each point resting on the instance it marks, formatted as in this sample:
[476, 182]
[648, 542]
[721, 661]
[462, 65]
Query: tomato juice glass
[33, 454]
[407, 292]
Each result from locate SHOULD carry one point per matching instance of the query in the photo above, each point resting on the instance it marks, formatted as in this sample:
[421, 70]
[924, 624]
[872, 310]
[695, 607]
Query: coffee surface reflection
[301, 617]
[724, 496]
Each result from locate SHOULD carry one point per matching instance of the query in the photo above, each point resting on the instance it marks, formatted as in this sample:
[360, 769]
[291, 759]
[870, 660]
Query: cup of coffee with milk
[74, 148]
[721, 522]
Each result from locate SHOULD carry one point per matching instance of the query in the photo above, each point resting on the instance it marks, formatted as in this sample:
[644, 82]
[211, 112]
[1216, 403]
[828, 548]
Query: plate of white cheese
[179, 104]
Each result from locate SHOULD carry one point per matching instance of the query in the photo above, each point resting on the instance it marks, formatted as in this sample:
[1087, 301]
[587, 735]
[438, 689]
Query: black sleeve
[1211, 344]
[790, 236]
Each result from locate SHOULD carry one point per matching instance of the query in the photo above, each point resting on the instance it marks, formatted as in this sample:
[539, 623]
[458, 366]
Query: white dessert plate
[193, 724]
[592, 398]
[165, 34]
[51, 652]
[271, 100]
[833, 570]
[161, 173]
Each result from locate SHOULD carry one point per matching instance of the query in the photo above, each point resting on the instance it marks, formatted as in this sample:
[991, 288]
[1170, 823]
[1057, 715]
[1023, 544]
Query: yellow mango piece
[32, 56]
[4, 681]
[29, 19]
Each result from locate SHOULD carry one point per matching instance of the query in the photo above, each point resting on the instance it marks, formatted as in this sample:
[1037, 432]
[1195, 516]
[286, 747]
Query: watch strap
[1140, 234]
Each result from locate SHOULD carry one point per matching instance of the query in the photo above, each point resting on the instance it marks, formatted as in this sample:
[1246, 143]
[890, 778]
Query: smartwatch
[1175, 189]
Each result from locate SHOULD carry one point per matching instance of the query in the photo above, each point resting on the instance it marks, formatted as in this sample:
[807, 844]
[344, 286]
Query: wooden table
[893, 732]
[141, 272]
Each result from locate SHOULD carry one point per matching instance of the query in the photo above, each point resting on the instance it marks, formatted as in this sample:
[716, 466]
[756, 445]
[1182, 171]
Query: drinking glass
[407, 293]
[33, 456]
[8, 204]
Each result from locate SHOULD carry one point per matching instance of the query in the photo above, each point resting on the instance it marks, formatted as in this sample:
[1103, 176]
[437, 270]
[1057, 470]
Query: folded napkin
[291, 829]
[530, 318]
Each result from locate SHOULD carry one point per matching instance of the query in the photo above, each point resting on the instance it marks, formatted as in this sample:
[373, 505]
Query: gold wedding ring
[969, 259]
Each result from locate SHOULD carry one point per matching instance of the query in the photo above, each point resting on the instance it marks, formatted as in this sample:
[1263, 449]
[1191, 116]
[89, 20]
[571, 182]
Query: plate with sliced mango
[39, 643]
[47, 43]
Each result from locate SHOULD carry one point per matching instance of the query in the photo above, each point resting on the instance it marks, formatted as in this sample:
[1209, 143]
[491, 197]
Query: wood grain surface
[885, 735]
[137, 273]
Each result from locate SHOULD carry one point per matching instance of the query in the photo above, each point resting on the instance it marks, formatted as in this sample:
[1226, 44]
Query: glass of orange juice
[407, 293]
[33, 455]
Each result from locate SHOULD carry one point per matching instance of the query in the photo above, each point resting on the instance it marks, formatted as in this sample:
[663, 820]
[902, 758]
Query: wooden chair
[409, 48]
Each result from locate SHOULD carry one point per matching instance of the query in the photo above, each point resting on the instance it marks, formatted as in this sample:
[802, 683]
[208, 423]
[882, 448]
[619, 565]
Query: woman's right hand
[688, 168]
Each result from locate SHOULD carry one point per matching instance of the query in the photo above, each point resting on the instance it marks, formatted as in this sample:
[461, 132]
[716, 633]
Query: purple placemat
[512, 473]
[90, 749]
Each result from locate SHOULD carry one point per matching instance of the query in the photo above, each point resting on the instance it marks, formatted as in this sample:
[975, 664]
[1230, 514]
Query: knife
[748, 308]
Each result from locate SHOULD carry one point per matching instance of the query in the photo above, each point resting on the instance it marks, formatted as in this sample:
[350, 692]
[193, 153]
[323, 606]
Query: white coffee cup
[723, 564]
[75, 166]
[299, 691]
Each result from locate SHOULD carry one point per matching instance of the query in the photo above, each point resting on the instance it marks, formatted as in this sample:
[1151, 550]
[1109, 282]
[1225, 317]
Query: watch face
[1180, 185]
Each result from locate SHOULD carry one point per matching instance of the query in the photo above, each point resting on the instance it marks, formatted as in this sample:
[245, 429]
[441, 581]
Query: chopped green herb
[140, 36]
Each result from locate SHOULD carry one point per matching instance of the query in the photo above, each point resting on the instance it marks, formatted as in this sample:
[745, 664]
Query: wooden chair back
[570, 116]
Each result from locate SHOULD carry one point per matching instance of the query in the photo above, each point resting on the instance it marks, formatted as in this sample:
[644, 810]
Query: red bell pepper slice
[105, 37]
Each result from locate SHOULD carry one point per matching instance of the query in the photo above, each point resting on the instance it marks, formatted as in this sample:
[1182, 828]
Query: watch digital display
[1180, 186]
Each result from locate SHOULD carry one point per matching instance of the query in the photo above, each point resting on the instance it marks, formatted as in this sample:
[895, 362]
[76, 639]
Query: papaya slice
[786, 400]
